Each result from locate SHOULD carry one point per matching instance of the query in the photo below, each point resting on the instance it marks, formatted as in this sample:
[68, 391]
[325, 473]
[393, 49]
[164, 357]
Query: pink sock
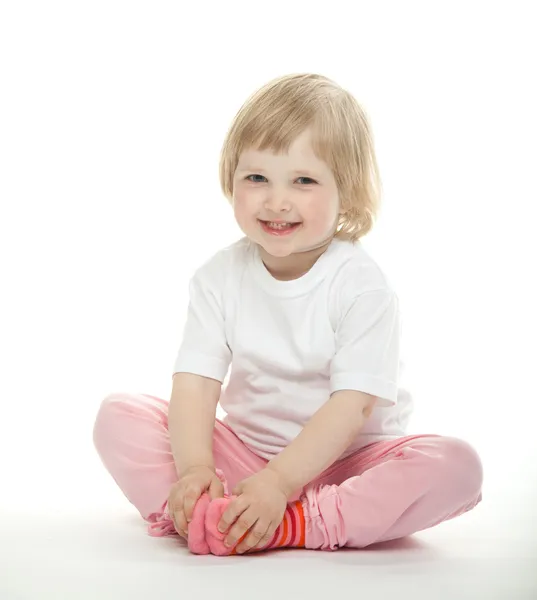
[196, 528]
[291, 531]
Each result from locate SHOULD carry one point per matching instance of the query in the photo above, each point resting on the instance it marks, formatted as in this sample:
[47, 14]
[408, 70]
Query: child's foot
[290, 533]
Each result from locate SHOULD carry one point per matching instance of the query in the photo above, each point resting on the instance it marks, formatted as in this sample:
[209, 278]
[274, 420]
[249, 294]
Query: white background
[112, 115]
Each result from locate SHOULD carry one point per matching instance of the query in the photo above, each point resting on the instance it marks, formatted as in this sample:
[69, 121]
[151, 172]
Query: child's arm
[191, 417]
[191, 420]
[202, 362]
[326, 436]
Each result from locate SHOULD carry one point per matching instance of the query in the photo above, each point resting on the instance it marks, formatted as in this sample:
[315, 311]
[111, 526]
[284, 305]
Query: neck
[292, 266]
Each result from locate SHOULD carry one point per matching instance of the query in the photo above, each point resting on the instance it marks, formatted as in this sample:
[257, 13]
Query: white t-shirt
[291, 344]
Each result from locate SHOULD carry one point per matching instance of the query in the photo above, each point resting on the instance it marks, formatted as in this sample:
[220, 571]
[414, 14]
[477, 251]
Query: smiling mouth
[278, 225]
[279, 229]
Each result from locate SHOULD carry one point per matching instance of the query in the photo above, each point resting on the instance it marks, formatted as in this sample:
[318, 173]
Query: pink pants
[384, 491]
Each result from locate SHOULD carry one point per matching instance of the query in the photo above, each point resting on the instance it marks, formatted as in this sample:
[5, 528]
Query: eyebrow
[248, 168]
[305, 172]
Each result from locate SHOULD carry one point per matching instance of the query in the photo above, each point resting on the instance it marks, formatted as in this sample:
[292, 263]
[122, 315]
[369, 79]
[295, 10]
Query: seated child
[313, 451]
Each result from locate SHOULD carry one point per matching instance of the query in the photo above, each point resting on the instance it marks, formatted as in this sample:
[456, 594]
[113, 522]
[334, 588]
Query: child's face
[286, 203]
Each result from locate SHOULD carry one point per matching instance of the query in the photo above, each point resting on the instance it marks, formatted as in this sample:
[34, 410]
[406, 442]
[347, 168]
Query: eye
[255, 175]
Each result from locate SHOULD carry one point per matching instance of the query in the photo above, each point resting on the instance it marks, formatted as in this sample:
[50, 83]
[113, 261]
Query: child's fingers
[179, 520]
[216, 489]
[234, 509]
[268, 535]
[241, 527]
[259, 536]
[191, 497]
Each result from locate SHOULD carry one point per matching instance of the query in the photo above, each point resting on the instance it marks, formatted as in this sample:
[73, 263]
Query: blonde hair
[272, 118]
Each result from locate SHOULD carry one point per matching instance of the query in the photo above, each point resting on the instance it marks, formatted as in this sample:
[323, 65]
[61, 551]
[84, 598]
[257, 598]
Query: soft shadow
[394, 552]
[406, 543]
[403, 551]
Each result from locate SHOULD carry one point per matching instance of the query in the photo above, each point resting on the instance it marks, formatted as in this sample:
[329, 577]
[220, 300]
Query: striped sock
[290, 533]
[292, 530]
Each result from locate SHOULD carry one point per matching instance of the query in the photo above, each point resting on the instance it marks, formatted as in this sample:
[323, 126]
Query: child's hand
[185, 493]
[259, 508]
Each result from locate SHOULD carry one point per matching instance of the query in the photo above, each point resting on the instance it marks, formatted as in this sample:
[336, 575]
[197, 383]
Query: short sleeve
[204, 350]
[367, 347]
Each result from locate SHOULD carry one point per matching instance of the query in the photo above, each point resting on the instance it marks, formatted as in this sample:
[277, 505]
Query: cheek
[242, 205]
[321, 212]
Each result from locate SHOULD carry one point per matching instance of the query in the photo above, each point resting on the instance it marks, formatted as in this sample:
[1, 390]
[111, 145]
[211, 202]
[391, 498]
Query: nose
[277, 201]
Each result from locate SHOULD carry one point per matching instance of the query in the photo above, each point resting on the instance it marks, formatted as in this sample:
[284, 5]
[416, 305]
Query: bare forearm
[326, 436]
[191, 419]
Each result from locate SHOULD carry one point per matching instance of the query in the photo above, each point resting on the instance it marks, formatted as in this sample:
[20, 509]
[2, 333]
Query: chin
[277, 252]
